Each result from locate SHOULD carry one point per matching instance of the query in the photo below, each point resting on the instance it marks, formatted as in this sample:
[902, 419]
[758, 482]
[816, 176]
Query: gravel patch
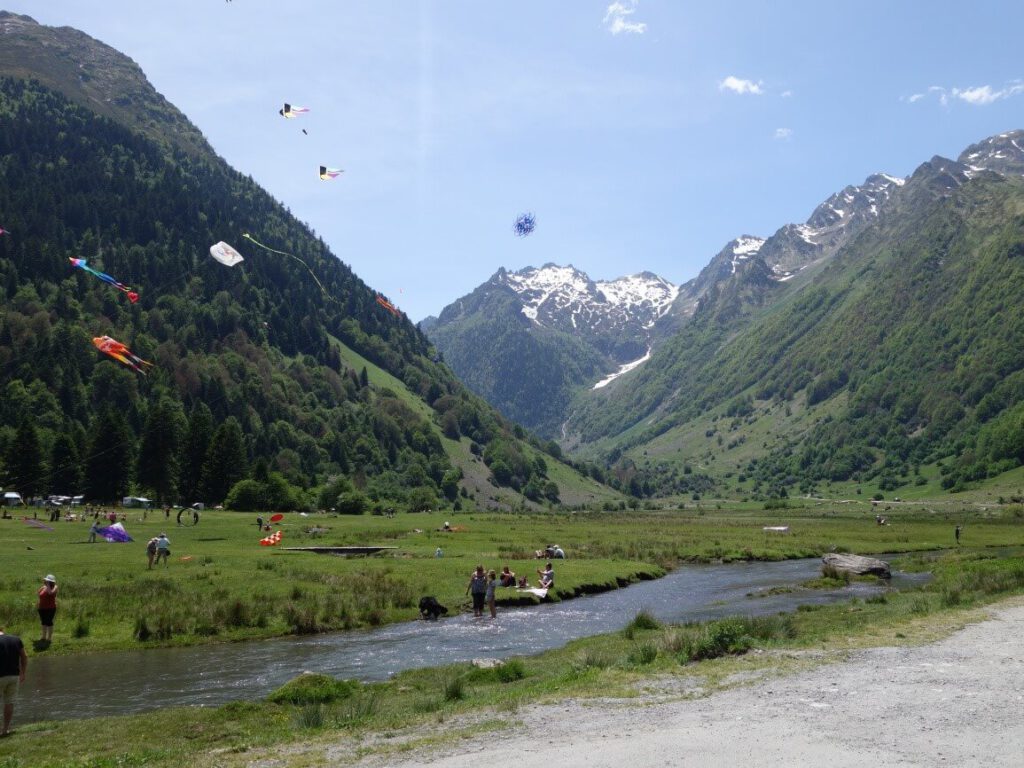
[956, 702]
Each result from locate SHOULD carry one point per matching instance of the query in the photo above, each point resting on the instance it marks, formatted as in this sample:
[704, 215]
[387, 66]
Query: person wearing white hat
[47, 606]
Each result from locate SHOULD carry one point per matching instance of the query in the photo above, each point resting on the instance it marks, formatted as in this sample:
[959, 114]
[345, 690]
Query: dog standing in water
[430, 608]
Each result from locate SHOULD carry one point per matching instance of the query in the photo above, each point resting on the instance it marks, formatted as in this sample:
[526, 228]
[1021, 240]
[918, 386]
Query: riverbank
[325, 722]
[221, 586]
[951, 702]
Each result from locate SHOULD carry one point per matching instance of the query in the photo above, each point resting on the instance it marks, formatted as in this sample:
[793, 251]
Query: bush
[718, 639]
[455, 689]
[310, 716]
[510, 671]
[310, 688]
[644, 620]
[643, 654]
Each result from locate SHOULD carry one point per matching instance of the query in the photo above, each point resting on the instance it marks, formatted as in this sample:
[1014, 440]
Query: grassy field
[221, 585]
[315, 720]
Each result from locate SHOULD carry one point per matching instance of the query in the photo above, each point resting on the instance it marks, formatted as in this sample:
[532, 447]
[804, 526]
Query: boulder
[857, 565]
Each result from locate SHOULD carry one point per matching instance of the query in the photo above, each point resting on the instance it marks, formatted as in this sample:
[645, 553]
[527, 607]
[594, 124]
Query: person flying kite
[120, 352]
[83, 264]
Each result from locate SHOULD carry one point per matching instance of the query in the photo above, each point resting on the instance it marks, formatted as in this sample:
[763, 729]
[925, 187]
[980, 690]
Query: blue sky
[643, 135]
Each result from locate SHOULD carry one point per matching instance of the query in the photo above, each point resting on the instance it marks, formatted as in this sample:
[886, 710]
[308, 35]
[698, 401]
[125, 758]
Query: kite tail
[253, 240]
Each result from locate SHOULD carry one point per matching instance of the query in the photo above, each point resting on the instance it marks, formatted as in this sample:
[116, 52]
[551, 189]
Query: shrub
[510, 671]
[718, 639]
[310, 716]
[142, 630]
[81, 627]
[310, 688]
[644, 620]
[643, 654]
[455, 688]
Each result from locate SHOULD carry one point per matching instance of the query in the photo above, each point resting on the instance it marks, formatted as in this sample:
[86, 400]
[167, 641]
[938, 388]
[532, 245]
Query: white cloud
[738, 85]
[786, 94]
[782, 133]
[978, 95]
[616, 19]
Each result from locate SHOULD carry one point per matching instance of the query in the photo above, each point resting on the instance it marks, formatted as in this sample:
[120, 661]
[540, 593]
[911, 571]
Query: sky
[642, 134]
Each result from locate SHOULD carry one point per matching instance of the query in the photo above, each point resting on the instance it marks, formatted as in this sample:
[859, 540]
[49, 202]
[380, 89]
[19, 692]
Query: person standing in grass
[492, 582]
[13, 665]
[957, 534]
[47, 606]
[151, 551]
[163, 549]
[478, 588]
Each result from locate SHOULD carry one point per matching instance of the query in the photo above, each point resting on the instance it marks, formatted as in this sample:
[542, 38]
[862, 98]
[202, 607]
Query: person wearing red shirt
[47, 606]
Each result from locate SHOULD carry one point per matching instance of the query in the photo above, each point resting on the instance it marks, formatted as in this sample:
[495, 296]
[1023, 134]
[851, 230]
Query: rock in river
[857, 565]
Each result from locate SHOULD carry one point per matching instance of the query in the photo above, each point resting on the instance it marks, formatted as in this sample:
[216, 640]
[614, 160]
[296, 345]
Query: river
[124, 682]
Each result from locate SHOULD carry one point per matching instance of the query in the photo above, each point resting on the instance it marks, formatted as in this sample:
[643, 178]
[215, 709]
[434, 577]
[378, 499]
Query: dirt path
[958, 702]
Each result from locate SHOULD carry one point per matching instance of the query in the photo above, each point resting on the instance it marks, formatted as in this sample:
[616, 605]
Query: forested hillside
[905, 349]
[249, 399]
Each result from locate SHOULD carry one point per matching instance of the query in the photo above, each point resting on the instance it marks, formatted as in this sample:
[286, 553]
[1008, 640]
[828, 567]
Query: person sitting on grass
[508, 579]
[547, 577]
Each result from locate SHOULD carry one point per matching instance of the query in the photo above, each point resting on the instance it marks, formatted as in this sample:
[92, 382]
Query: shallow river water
[133, 681]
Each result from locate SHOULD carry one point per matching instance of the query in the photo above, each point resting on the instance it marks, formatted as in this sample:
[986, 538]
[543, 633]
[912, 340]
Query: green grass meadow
[230, 588]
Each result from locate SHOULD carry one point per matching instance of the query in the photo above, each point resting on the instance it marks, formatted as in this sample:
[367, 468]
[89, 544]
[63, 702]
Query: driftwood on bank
[857, 565]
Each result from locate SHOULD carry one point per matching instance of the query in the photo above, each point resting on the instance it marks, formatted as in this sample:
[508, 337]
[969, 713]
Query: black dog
[430, 608]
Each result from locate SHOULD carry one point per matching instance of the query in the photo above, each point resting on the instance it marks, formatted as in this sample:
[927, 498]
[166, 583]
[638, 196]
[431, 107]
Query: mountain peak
[94, 75]
[1003, 153]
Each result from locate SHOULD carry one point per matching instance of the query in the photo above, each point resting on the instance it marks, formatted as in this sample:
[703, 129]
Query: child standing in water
[492, 582]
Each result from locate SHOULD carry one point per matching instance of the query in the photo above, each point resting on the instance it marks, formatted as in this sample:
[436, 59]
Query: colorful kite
[225, 254]
[271, 540]
[326, 174]
[4, 231]
[524, 225]
[276, 518]
[83, 264]
[119, 351]
[115, 534]
[289, 111]
[388, 306]
[36, 524]
[254, 241]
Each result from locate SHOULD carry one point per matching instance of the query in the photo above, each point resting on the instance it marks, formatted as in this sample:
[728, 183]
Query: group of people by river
[483, 585]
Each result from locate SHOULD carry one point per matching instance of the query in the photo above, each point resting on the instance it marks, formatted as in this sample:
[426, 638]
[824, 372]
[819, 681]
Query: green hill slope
[251, 398]
[903, 350]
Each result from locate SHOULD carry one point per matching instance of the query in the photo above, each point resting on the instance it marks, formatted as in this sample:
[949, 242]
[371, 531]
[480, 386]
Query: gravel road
[957, 702]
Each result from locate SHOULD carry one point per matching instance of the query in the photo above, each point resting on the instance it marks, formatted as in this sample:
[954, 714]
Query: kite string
[253, 240]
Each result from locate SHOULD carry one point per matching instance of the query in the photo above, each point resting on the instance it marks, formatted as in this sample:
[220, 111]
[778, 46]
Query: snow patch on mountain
[744, 248]
[623, 369]
[1003, 154]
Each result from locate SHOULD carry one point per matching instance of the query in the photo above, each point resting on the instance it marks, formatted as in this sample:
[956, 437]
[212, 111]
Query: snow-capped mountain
[593, 332]
[567, 299]
[1002, 154]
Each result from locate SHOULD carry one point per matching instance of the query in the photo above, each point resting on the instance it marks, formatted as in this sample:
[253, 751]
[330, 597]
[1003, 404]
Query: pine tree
[25, 470]
[194, 448]
[108, 466]
[65, 466]
[159, 450]
[225, 461]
